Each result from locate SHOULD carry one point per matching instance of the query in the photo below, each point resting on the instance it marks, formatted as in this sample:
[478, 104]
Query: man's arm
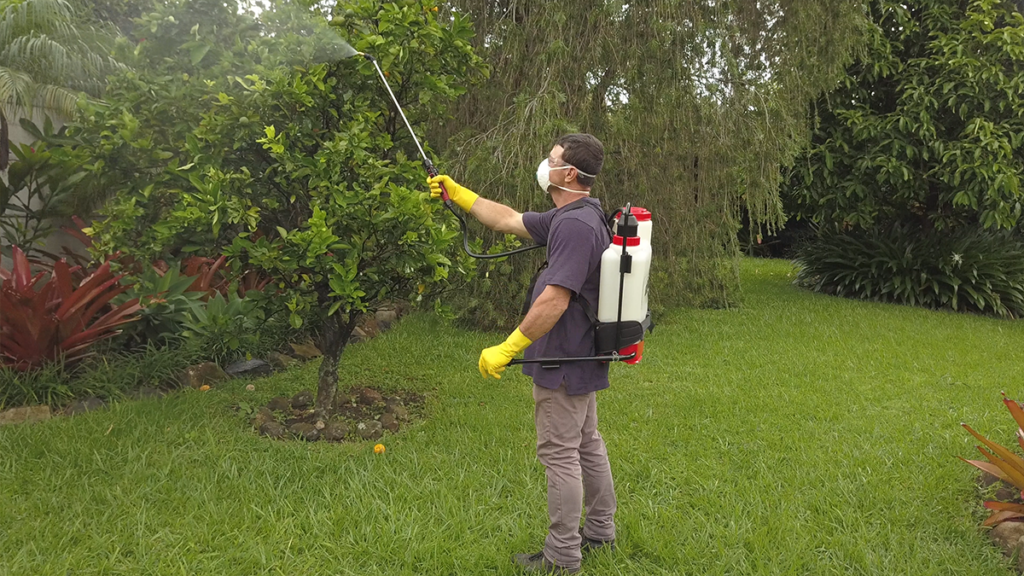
[495, 216]
[543, 315]
[499, 218]
[545, 311]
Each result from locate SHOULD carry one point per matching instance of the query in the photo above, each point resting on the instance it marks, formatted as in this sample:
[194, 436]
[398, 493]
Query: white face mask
[544, 179]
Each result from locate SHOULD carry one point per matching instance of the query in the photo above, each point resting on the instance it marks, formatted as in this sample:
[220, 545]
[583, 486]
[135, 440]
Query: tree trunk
[335, 335]
[5, 143]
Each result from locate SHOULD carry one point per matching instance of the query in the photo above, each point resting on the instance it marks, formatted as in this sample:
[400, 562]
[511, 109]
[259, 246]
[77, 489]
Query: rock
[320, 425]
[385, 318]
[334, 431]
[302, 400]
[400, 412]
[305, 430]
[25, 415]
[279, 404]
[85, 405]
[205, 374]
[1006, 493]
[262, 416]
[985, 479]
[392, 401]
[389, 422]
[357, 336]
[371, 430]
[281, 361]
[1007, 536]
[249, 369]
[369, 396]
[343, 400]
[274, 430]
[307, 350]
[147, 392]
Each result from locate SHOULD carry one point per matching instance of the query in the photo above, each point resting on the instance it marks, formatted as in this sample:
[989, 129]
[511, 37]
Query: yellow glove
[464, 197]
[495, 359]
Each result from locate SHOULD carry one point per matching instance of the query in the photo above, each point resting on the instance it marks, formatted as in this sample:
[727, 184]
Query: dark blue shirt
[575, 240]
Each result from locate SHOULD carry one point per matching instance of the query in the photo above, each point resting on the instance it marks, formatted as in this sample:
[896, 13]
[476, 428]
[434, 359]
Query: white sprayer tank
[634, 287]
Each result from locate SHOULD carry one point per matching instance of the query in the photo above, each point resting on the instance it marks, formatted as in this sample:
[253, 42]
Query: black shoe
[588, 545]
[538, 564]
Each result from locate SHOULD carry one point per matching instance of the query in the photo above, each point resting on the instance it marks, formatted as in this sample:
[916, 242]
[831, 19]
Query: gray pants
[573, 452]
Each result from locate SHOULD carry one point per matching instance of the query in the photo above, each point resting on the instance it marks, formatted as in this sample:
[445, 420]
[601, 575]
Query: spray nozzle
[367, 56]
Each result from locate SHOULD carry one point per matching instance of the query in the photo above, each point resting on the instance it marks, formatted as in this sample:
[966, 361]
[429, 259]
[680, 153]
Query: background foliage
[698, 105]
[928, 126]
[918, 151]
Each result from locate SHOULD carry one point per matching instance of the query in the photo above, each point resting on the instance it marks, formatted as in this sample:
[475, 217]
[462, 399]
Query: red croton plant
[1003, 464]
[44, 319]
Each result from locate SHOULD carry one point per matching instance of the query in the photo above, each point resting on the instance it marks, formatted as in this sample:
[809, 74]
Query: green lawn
[799, 434]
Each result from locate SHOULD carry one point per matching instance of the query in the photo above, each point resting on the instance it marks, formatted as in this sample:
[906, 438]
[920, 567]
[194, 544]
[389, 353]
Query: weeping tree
[48, 57]
[699, 105]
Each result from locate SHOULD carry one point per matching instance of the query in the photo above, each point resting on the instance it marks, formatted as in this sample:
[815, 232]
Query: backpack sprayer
[622, 316]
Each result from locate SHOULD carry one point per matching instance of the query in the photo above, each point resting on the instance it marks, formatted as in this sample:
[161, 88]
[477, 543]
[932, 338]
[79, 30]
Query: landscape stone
[307, 350]
[334, 431]
[400, 412]
[305, 431]
[85, 405]
[985, 479]
[281, 361]
[385, 318]
[25, 415]
[302, 400]
[389, 422]
[262, 416]
[369, 396]
[343, 400]
[357, 336]
[205, 374]
[392, 401]
[274, 430]
[371, 430]
[1007, 536]
[1006, 493]
[249, 369]
[279, 404]
[147, 392]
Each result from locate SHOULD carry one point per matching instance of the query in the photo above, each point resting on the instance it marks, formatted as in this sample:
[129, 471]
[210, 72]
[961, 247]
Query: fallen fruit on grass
[204, 387]
[378, 449]
[250, 387]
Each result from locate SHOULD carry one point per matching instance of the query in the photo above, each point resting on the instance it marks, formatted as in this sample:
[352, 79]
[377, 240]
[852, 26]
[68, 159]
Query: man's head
[581, 157]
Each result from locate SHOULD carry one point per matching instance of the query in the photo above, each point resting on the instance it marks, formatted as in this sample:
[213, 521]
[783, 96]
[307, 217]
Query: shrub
[167, 300]
[1003, 464]
[226, 327]
[37, 191]
[968, 271]
[58, 320]
[106, 375]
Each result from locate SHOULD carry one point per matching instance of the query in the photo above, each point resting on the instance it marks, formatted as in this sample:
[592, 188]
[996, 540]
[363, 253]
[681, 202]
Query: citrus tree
[287, 162]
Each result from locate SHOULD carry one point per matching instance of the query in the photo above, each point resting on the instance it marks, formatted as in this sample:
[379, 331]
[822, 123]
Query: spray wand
[432, 172]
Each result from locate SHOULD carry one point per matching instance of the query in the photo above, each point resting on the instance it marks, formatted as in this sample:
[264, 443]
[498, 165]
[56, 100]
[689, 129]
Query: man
[556, 326]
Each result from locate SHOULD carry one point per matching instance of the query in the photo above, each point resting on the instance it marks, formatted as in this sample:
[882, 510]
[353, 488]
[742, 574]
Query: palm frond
[15, 88]
[16, 19]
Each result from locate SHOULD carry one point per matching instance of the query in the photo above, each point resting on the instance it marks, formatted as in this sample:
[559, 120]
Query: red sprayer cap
[641, 214]
[633, 241]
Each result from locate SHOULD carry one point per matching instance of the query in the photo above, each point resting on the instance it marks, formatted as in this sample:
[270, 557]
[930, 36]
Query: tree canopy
[928, 127]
